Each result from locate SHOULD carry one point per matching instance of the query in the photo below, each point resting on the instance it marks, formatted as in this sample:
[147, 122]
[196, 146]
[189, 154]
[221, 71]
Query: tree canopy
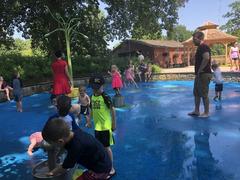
[180, 33]
[124, 19]
[233, 24]
[142, 18]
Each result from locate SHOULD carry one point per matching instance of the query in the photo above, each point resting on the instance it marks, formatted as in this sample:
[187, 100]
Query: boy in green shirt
[103, 114]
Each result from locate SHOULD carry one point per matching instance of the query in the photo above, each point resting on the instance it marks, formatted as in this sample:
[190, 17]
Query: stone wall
[228, 76]
[46, 87]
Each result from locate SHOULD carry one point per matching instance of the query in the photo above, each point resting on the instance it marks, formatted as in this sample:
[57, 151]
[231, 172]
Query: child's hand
[88, 125]
[30, 153]
[49, 174]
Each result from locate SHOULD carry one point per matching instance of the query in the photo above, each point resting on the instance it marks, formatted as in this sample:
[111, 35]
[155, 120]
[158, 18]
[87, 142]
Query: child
[129, 75]
[17, 91]
[218, 80]
[63, 107]
[84, 102]
[103, 115]
[5, 88]
[149, 72]
[116, 79]
[82, 148]
[36, 141]
[142, 69]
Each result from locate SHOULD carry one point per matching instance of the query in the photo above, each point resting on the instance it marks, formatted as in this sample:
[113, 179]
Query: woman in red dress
[61, 79]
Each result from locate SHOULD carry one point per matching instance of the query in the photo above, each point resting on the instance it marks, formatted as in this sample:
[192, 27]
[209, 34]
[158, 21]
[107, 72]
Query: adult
[234, 56]
[5, 88]
[61, 78]
[140, 56]
[142, 69]
[203, 75]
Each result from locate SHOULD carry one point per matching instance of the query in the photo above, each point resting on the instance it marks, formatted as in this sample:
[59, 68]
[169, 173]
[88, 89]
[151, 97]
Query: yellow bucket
[74, 93]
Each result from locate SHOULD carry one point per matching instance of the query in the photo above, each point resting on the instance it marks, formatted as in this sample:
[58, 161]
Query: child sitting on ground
[63, 107]
[103, 114]
[82, 148]
[218, 80]
[5, 88]
[149, 72]
[35, 142]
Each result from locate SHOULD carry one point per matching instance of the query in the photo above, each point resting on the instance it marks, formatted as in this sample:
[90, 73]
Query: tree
[36, 21]
[9, 9]
[141, 18]
[180, 33]
[233, 24]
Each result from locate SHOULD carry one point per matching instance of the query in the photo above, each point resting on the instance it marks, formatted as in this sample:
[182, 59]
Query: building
[162, 52]
[212, 35]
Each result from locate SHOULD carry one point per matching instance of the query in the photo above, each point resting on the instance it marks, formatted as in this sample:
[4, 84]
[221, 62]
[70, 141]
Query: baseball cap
[96, 82]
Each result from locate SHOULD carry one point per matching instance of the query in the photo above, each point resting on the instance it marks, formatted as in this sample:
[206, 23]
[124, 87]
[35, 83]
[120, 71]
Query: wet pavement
[155, 138]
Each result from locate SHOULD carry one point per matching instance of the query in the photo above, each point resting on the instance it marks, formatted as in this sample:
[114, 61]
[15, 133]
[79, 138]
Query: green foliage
[38, 69]
[218, 49]
[180, 33]
[141, 18]
[156, 68]
[31, 69]
[233, 24]
[37, 22]
[9, 10]
[20, 48]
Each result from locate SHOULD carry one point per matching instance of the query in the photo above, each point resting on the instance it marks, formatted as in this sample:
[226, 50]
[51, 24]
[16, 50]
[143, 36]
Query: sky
[194, 14]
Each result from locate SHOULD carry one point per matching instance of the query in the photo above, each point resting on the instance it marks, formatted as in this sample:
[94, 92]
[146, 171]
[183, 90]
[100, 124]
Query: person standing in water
[203, 75]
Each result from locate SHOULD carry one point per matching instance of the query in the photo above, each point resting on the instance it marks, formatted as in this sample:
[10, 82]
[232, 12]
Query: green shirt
[101, 114]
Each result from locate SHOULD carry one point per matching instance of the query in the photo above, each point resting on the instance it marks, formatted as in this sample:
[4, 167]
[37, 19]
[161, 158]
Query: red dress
[60, 79]
[116, 80]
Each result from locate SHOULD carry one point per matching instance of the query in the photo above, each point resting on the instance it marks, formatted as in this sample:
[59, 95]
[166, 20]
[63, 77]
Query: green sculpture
[69, 28]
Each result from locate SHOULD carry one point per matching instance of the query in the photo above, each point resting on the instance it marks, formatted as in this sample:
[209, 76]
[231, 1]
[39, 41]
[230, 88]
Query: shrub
[38, 69]
[156, 68]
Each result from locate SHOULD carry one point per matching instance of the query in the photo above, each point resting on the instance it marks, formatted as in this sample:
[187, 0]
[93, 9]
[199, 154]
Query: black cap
[96, 82]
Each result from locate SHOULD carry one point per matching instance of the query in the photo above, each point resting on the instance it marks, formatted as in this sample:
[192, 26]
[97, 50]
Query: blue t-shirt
[69, 119]
[87, 151]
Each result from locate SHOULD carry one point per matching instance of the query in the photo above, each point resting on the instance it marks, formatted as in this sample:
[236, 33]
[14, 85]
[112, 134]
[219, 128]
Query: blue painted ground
[155, 139]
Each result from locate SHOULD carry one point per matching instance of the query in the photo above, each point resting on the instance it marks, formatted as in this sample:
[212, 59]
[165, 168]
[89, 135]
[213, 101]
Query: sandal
[193, 114]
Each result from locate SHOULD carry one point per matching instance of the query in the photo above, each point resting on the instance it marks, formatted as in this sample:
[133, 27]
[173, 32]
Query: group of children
[16, 87]
[144, 73]
[61, 130]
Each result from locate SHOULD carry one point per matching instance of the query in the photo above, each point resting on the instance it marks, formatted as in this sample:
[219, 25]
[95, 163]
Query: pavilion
[212, 36]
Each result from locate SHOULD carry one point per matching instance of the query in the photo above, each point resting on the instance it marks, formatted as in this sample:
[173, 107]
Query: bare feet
[204, 115]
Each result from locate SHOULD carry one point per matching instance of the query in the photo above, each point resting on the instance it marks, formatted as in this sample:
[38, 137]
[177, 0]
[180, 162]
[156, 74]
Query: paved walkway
[188, 69]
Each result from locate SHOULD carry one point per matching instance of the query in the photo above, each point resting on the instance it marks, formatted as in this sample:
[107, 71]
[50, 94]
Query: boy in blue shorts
[103, 114]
